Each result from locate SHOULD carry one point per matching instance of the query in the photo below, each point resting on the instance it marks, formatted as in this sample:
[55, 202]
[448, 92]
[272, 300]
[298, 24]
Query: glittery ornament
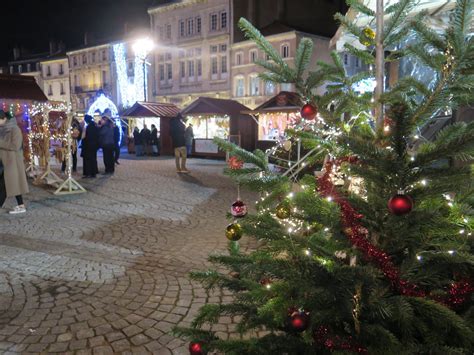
[234, 232]
[367, 37]
[238, 209]
[309, 111]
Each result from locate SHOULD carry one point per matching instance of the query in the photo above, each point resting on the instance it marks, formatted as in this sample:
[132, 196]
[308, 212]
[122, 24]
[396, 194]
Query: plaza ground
[107, 271]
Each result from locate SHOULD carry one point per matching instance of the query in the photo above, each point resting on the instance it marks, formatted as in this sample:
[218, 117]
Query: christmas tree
[374, 253]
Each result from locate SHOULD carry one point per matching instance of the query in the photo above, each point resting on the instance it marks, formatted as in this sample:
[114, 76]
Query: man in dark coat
[90, 145]
[177, 129]
[146, 136]
[117, 143]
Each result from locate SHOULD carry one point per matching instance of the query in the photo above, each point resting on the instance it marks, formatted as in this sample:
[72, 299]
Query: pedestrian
[117, 141]
[189, 137]
[12, 174]
[137, 140]
[177, 129]
[76, 135]
[107, 142]
[146, 137]
[154, 140]
[90, 145]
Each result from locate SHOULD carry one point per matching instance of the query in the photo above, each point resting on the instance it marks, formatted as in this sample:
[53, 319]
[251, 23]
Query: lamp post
[142, 49]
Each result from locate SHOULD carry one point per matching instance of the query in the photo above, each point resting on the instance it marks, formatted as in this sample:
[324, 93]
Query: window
[104, 56]
[238, 59]
[161, 57]
[50, 90]
[224, 20]
[104, 77]
[357, 62]
[168, 56]
[75, 61]
[182, 53]
[191, 68]
[213, 22]
[199, 67]
[162, 72]
[239, 87]
[190, 26]
[48, 70]
[346, 59]
[213, 49]
[20, 69]
[169, 69]
[223, 47]
[28, 67]
[224, 64]
[253, 56]
[198, 25]
[181, 28]
[269, 88]
[182, 69]
[198, 52]
[84, 59]
[93, 57]
[76, 82]
[61, 69]
[168, 31]
[161, 33]
[254, 85]
[190, 53]
[37, 66]
[62, 88]
[285, 51]
[214, 65]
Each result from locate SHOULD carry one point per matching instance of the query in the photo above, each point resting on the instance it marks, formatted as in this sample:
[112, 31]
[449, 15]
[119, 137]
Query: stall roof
[151, 109]
[210, 106]
[285, 101]
[20, 87]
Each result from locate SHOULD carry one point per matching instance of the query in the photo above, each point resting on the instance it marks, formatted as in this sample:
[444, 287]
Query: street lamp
[142, 48]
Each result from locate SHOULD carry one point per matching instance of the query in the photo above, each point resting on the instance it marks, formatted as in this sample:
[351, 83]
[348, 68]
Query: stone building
[55, 75]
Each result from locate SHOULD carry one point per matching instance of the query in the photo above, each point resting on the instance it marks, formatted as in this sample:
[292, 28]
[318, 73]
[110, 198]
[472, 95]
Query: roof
[284, 101]
[161, 3]
[151, 109]
[20, 87]
[55, 56]
[211, 106]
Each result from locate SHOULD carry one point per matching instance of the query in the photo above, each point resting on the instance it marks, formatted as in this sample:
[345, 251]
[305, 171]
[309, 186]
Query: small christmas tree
[381, 263]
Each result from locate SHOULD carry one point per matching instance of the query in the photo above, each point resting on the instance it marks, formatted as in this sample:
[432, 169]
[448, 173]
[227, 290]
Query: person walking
[189, 137]
[154, 140]
[90, 145]
[146, 136]
[137, 140]
[117, 143]
[107, 142]
[12, 174]
[76, 135]
[177, 129]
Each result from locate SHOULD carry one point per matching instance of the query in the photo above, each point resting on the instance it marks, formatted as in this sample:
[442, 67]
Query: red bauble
[400, 204]
[235, 163]
[238, 209]
[309, 112]
[195, 348]
[298, 320]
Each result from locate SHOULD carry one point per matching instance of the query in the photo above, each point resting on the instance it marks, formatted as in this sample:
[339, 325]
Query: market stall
[219, 118]
[148, 113]
[275, 116]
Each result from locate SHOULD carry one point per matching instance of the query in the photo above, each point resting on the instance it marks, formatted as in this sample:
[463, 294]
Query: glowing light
[424, 182]
[450, 252]
[102, 104]
[462, 231]
[307, 252]
[127, 96]
[419, 257]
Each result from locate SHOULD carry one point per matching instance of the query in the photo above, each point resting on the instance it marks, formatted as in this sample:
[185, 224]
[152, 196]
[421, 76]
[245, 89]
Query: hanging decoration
[235, 163]
[325, 339]
[238, 209]
[234, 232]
[196, 348]
[367, 37]
[400, 204]
[298, 320]
[309, 111]
[283, 210]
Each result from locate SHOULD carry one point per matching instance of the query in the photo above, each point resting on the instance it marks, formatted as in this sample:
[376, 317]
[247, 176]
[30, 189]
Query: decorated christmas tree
[372, 253]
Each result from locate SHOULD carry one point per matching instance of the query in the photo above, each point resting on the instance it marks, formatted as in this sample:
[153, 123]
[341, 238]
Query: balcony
[91, 88]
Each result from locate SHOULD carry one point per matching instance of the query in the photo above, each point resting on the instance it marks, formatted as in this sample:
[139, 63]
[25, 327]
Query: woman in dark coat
[90, 145]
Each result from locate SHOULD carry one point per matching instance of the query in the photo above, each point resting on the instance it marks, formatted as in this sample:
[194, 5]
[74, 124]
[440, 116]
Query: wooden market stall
[274, 117]
[219, 118]
[149, 113]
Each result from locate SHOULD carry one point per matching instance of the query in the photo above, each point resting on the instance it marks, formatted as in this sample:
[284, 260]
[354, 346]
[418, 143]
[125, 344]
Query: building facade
[192, 57]
[27, 64]
[55, 77]
[91, 72]
[247, 87]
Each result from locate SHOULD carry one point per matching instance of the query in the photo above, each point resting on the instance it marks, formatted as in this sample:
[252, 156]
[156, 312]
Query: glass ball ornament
[238, 209]
[195, 348]
[283, 210]
[400, 204]
[309, 111]
[298, 320]
[234, 232]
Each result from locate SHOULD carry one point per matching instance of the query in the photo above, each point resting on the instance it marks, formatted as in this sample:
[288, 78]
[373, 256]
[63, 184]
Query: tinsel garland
[458, 292]
[333, 342]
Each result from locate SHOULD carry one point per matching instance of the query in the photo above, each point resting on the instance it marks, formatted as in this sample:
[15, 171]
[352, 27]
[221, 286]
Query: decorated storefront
[150, 113]
[219, 118]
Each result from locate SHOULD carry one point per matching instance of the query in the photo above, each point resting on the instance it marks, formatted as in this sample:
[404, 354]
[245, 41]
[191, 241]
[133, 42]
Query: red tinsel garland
[335, 342]
[458, 292]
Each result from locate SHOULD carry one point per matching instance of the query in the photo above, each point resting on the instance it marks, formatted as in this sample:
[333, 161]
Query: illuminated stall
[275, 116]
[219, 118]
[148, 113]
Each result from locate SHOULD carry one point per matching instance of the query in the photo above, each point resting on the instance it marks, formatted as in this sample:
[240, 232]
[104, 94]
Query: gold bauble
[283, 210]
[369, 33]
[234, 232]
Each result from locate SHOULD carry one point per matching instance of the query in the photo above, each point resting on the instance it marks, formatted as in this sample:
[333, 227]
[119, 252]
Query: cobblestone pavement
[107, 271]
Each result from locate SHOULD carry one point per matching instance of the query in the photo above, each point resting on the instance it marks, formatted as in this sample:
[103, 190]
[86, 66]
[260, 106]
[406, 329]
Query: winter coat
[177, 129]
[137, 138]
[146, 135]
[189, 135]
[154, 136]
[106, 136]
[90, 143]
[11, 155]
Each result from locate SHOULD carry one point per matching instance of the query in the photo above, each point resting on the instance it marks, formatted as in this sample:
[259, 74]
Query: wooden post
[379, 65]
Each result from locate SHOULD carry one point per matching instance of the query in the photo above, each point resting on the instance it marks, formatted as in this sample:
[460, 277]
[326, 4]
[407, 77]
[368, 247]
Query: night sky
[31, 23]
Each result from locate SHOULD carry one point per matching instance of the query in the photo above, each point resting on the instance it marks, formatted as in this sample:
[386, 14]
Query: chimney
[86, 38]
[16, 53]
[52, 47]
[61, 46]
[281, 10]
